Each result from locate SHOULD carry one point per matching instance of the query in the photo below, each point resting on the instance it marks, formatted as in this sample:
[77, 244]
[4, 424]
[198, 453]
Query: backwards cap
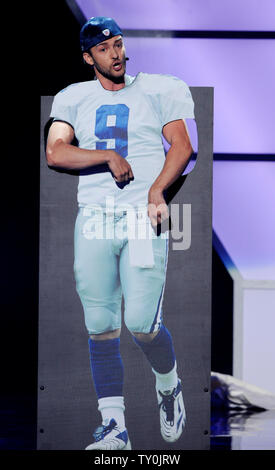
[96, 30]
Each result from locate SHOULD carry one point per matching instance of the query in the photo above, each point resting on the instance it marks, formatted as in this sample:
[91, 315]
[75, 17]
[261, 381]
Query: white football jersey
[129, 121]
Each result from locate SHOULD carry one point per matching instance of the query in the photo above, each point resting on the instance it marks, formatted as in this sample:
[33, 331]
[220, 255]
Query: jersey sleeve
[62, 110]
[175, 100]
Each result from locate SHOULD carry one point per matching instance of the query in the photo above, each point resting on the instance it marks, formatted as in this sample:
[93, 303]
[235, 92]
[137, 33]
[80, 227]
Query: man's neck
[109, 84]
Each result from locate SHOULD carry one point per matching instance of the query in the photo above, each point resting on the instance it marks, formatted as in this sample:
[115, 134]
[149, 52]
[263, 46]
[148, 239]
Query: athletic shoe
[172, 413]
[110, 437]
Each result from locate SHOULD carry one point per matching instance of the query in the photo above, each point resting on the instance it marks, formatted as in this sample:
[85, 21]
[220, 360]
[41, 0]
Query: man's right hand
[62, 154]
[120, 168]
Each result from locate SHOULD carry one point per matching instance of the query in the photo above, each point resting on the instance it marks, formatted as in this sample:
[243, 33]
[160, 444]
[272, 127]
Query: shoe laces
[102, 431]
[167, 404]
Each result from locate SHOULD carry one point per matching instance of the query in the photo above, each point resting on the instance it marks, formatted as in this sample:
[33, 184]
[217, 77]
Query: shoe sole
[127, 447]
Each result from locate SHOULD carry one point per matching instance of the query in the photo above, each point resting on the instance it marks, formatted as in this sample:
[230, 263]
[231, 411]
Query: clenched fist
[120, 168]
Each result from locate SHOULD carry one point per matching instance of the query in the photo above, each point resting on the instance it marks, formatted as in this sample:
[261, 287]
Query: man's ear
[88, 58]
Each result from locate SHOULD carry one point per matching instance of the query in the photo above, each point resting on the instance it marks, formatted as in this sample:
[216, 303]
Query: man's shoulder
[75, 92]
[160, 83]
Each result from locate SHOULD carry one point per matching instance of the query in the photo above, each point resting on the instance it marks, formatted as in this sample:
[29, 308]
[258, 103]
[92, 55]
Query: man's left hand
[157, 207]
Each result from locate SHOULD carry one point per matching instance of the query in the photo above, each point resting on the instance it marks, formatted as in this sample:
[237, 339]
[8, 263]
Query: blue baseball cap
[97, 29]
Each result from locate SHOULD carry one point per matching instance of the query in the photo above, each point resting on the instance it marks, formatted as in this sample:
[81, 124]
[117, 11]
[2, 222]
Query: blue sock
[160, 351]
[107, 367]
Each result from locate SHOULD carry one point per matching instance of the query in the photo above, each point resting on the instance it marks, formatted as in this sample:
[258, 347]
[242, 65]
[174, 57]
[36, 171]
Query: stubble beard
[113, 78]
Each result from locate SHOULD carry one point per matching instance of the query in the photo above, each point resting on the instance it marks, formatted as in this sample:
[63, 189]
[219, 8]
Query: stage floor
[239, 430]
[230, 430]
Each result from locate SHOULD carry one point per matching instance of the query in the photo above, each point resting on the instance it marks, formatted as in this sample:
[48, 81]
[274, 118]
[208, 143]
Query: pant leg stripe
[158, 316]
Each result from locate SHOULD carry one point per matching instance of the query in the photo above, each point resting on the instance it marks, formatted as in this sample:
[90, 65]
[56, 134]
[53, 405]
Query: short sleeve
[175, 100]
[62, 110]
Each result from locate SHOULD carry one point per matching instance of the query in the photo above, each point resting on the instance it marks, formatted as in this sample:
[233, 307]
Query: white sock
[112, 407]
[166, 382]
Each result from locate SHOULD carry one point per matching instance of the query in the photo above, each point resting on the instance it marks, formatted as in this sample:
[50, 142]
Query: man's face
[108, 58]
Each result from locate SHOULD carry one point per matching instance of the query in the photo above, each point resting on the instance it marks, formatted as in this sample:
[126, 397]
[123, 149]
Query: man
[119, 121]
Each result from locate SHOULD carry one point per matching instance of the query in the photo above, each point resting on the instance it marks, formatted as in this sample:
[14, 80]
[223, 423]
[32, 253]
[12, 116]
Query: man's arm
[61, 154]
[176, 161]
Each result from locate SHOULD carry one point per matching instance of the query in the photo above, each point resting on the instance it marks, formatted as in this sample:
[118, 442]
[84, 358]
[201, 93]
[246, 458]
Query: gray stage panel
[67, 406]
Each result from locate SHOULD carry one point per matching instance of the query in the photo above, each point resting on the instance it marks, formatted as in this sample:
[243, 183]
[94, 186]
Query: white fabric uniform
[129, 121]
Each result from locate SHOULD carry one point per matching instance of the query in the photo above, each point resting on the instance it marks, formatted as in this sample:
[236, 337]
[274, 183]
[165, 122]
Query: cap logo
[106, 32]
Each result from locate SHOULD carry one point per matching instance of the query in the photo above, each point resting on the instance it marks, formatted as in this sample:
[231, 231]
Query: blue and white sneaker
[172, 413]
[110, 437]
